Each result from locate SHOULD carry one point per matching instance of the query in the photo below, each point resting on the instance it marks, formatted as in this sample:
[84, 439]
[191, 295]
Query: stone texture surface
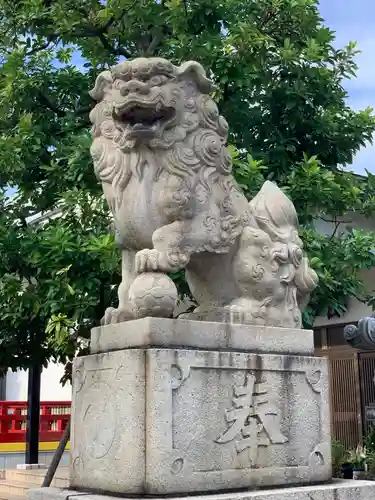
[159, 149]
[109, 421]
[164, 332]
[229, 314]
[55, 494]
[338, 490]
[164, 421]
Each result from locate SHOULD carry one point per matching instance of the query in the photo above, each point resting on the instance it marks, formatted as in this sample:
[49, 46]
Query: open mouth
[142, 118]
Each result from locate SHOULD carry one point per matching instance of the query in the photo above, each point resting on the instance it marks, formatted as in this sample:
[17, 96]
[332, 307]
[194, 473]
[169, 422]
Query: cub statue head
[152, 112]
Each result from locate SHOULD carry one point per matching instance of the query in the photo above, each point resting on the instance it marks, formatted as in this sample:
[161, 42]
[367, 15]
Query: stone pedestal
[154, 417]
[338, 490]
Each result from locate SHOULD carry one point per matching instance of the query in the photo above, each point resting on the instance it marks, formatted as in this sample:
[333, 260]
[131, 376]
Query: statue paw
[113, 315]
[151, 260]
[147, 260]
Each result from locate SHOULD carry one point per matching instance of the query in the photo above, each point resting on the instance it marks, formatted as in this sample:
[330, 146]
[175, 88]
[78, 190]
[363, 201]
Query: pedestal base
[177, 421]
[338, 490]
[238, 407]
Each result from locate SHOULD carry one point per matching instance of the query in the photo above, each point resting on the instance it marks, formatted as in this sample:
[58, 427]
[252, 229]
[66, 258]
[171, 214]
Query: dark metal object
[361, 336]
[346, 471]
[57, 457]
[33, 412]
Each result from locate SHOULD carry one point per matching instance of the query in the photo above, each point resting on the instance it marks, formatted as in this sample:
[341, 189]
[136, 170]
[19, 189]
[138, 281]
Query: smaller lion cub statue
[159, 150]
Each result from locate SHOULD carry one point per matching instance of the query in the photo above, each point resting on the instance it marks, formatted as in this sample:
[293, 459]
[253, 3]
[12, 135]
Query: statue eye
[157, 80]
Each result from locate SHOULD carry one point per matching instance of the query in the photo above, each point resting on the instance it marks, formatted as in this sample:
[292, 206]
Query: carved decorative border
[177, 365]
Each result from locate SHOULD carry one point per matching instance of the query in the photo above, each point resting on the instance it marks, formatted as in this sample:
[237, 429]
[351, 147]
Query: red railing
[53, 419]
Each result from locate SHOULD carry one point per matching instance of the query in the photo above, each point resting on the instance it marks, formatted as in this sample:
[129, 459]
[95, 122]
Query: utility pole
[33, 397]
[33, 414]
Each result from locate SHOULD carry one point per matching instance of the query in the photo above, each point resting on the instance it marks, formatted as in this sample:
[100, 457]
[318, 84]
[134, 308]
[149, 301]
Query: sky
[354, 20]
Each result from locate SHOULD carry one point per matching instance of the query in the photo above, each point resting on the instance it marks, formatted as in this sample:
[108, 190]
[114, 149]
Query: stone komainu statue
[159, 149]
[362, 336]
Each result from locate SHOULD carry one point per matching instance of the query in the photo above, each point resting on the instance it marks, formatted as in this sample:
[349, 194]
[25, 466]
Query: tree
[280, 85]
[57, 278]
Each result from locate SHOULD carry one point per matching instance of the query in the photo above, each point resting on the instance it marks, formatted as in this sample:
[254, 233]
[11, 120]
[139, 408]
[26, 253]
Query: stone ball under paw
[153, 294]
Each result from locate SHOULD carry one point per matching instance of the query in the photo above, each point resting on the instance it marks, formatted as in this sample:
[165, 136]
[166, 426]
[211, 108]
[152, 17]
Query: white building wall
[356, 309]
[50, 390]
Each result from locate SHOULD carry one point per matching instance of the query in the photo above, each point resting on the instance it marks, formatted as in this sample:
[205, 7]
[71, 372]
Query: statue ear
[195, 71]
[103, 83]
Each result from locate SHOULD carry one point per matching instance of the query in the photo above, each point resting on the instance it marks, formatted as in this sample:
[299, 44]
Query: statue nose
[135, 86]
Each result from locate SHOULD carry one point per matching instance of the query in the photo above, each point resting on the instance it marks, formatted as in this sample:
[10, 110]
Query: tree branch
[112, 19]
[226, 92]
[47, 101]
[77, 128]
[23, 221]
[349, 221]
[84, 110]
[117, 51]
[38, 48]
[92, 31]
[267, 16]
[156, 39]
[337, 225]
